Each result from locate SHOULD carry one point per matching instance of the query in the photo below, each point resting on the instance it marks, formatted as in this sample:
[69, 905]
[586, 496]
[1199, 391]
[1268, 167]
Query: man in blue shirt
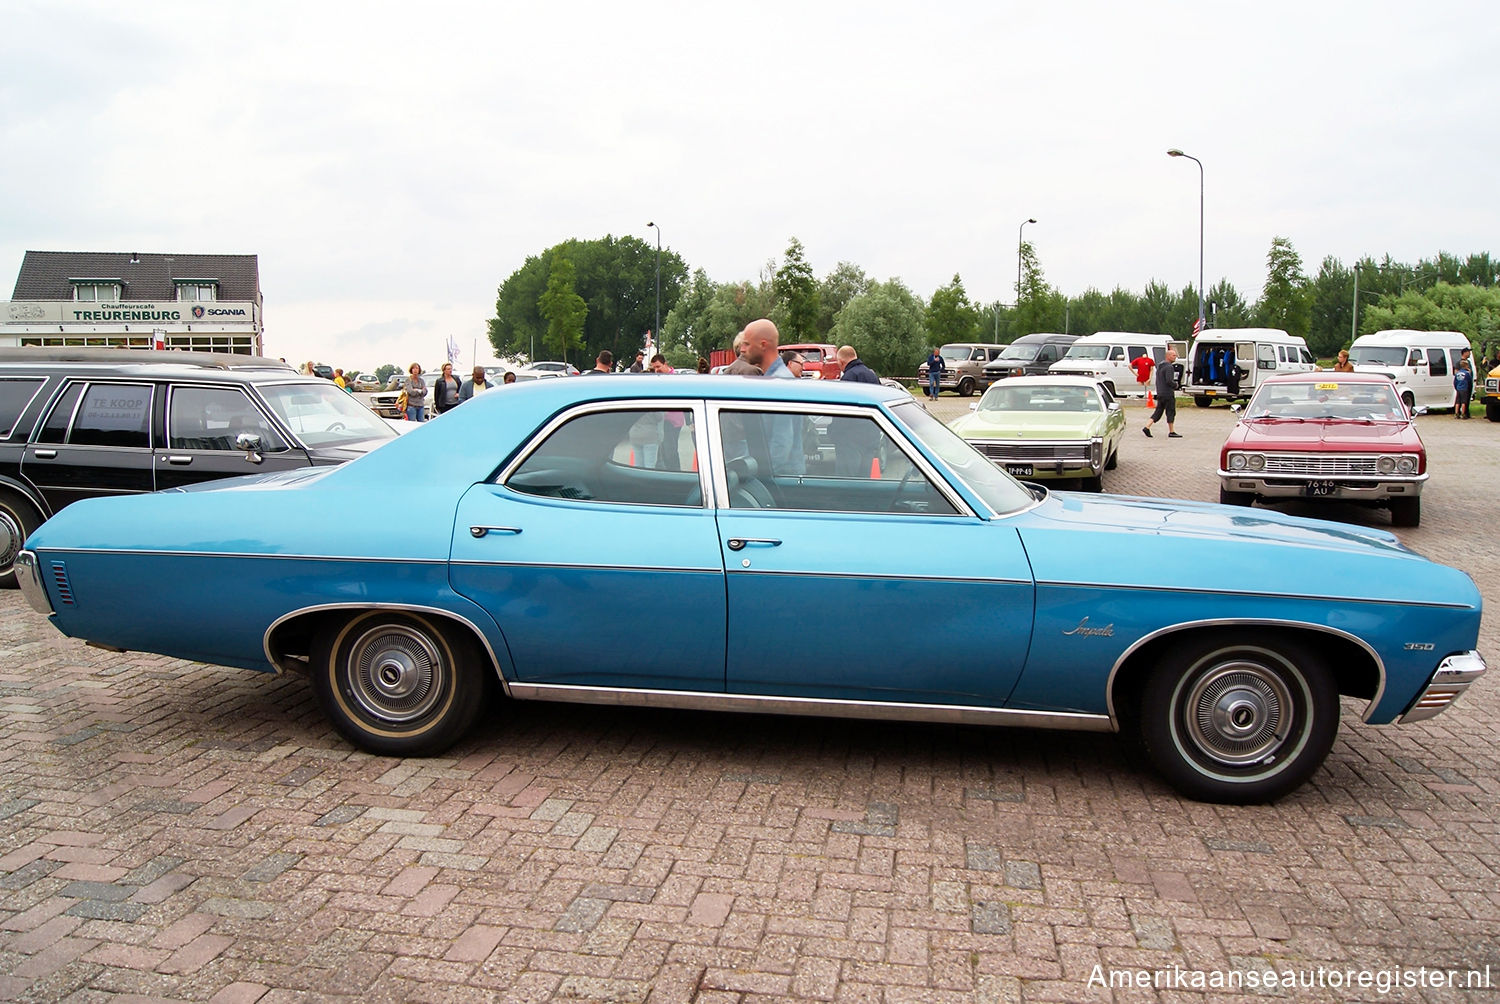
[783, 432]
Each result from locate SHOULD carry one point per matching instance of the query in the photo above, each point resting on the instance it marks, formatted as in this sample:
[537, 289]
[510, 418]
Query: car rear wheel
[1406, 512]
[17, 520]
[1227, 497]
[398, 684]
[1238, 720]
[1203, 401]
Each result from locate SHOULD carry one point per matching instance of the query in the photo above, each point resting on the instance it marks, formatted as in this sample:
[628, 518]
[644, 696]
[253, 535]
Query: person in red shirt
[1142, 365]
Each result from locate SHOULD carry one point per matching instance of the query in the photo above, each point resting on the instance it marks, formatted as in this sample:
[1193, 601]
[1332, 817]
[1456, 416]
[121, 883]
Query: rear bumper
[1453, 676]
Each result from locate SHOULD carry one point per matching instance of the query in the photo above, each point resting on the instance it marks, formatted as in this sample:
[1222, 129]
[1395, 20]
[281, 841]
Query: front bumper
[28, 578]
[1344, 489]
[1066, 458]
[1453, 676]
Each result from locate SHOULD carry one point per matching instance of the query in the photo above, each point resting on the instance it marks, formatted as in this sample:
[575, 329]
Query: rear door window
[105, 414]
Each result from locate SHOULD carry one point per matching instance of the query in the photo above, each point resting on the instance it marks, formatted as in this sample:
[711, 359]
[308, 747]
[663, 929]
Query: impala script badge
[1083, 628]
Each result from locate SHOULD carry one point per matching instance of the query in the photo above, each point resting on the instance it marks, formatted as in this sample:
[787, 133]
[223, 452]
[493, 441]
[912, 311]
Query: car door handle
[740, 543]
[478, 532]
[176, 459]
[46, 454]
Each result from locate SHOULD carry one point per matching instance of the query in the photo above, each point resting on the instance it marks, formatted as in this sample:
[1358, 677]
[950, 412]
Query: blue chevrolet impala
[510, 544]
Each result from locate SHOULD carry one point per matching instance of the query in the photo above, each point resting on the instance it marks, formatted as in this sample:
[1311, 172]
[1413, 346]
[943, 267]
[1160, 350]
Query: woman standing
[416, 394]
[446, 390]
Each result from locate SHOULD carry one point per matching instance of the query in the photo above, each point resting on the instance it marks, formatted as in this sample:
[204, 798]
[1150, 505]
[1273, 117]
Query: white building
[204, 302]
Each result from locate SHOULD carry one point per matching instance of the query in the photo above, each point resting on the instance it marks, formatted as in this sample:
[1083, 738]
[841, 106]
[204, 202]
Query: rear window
[15, 395]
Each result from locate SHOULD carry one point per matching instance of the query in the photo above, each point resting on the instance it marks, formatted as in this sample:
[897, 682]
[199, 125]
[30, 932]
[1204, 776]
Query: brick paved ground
[172, 831]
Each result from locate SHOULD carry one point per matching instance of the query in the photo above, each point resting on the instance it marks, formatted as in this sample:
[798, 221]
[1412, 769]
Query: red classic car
[1322, 435]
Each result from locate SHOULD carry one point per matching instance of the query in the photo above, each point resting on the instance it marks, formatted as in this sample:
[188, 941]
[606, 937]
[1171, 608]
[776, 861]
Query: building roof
[44, 275]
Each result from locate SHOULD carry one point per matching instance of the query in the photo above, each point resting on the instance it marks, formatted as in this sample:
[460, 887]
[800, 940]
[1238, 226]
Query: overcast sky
[392, 164]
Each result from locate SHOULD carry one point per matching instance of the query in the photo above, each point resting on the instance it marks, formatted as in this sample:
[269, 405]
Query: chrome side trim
[1109, 683]
[30, 582]
[1251, 593]
[159, 553]
[879, 576]
[1449, 681]
[409, 607]
[695, 700]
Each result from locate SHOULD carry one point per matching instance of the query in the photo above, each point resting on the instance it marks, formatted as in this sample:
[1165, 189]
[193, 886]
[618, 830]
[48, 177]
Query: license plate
[1318, 489]
[1018, 470]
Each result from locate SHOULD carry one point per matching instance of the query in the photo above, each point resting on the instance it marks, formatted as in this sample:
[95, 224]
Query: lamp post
[1178, 153]
[657, 329]
[1020, 242]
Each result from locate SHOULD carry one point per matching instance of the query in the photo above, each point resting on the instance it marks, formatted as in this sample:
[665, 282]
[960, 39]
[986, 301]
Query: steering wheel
[911, 473]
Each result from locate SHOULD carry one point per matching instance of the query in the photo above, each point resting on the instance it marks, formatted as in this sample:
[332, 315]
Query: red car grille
[1322, 465]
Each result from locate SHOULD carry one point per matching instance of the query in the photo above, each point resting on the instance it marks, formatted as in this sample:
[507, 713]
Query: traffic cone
[874, 468]
[1149, 402]
[632, 456]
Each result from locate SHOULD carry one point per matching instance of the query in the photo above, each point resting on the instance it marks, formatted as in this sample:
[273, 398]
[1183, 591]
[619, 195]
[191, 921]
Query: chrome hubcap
[396, 673]
[11, 539]
[1238, 713]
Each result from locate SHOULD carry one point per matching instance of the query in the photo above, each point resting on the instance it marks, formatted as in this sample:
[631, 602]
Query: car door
[927, 601]
[202, 425]
[1438, 388]
[95, 440]
[596, 552]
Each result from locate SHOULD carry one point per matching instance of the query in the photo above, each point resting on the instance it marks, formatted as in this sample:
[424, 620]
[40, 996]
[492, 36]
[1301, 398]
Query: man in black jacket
[854, 370]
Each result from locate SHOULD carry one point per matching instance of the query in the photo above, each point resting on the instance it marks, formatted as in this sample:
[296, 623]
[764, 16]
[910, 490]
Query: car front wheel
[1406, 512]
[1238, 721]
[398, 684]
[965, 387]
[1227, 497]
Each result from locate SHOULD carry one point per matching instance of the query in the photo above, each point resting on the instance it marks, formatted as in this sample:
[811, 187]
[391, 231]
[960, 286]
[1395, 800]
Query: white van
[1421, 363]
[1229, 363]
[1106, 355]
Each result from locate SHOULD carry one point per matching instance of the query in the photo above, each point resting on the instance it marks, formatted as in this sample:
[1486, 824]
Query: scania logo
[197, 313]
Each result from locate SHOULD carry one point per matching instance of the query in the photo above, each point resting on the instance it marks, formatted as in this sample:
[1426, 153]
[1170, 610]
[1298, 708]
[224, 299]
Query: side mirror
[1236, 408]
[974, 406]
[1114, 406]
[249, 443]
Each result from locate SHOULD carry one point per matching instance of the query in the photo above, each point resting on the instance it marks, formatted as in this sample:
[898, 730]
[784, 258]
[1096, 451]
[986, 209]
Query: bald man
[761, 348]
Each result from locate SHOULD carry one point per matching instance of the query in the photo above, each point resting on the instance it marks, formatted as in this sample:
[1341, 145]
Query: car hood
[1025, 425]
[1290, 435]
[1174, 545]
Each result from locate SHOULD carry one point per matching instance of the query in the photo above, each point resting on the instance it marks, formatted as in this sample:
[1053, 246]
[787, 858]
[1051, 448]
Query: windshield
[1327, 399]
[1007, 397]
[1000, 491]
[1021, 353]
[1091, 352]
[1378, 355]
[955, 353]
[322, 415]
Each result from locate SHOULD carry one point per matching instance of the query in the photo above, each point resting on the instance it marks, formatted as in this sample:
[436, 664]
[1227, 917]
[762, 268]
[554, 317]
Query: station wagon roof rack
[146, 357]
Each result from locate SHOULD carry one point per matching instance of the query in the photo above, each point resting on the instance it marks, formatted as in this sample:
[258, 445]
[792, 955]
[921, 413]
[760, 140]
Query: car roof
[146, 363]
[1047, 380]
[1326, 376]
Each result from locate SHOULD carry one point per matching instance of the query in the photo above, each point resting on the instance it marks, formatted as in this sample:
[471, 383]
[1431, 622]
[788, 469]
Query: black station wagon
[76, 423]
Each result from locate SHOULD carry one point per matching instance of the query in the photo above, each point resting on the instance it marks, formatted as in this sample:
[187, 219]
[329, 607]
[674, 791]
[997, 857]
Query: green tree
[1157, 309]
[1331, 296]
[840, 286]
[616, 278]
[950, 317]
[1039, 307]
[885, 326]
[384, 372]
[1473, 310]
[796, 291]
[562, 307]
[1228, 308]
[1285, 302]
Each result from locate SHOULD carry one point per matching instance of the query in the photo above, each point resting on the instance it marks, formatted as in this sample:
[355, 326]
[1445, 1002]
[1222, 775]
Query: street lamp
[1178, 153]
[657, 329]
[1020, 241]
